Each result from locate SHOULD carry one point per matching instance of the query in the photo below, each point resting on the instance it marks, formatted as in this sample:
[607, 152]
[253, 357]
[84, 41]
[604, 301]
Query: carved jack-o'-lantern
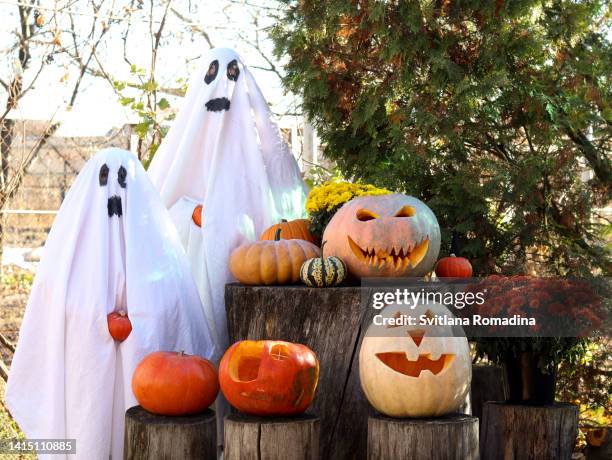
[415, 371]
[269, 377]
[386, 235]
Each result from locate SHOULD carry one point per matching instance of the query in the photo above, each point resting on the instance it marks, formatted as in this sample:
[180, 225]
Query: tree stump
[264, 438]
[521, 432]
[150, 436]
[489, 383]
[453, 436]
[331, 322]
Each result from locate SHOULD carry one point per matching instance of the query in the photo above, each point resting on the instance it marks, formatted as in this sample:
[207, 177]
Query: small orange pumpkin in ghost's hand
[119, 325]
[197, 215]
[171, 383]
[269, 377]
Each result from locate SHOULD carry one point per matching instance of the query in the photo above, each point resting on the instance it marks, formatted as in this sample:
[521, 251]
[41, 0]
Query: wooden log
[451, 437]
[331, 322]
[489, 383]
[522, 432]
[149, 436]
[258, 438]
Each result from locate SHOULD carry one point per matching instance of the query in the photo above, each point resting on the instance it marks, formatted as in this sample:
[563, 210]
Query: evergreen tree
[496, 113]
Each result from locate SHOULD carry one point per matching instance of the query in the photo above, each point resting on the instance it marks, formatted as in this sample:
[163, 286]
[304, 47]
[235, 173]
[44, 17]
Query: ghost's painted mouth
[218, 104]
[400, 258]
[400, 363]
[114, 206]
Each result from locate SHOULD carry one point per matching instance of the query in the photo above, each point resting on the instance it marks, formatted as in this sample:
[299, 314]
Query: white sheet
[69, 378]
[236, 164]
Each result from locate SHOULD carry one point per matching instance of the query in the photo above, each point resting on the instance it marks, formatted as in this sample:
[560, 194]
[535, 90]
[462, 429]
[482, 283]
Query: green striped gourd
[323, 271]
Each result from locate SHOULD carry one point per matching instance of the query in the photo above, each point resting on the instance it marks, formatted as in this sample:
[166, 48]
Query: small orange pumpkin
[453, 267]
[197, 215]
[271, 262]
[269, 377]
[297, 229]
[171, 383]
[596, 437]
[119, 325]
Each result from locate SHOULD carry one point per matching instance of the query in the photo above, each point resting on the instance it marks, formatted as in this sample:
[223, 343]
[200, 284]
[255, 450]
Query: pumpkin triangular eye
[365, 214]
[406, 211]
[417, 336]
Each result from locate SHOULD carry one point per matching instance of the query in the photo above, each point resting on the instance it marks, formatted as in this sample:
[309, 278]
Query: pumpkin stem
[453, 255]
[322, 246]
[181, 353]
[277, 234]
[284, 221]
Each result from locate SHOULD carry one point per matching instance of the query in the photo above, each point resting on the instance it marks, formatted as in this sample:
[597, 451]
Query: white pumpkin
[415, 371]
[384, 235]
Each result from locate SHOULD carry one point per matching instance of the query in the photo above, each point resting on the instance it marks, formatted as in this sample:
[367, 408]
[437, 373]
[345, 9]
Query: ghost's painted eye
[103, 175]
[232, 70]
[121, 176]
[213, 69]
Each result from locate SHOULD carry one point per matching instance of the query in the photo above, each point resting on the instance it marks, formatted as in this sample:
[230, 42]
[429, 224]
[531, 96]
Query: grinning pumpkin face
[269, 378]
[415, 371]
[386, 235]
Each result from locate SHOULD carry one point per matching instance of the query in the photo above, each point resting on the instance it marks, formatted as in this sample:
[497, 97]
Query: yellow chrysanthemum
[330, 195]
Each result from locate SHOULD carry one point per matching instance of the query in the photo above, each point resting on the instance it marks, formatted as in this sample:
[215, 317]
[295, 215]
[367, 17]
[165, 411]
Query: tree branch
[599, 163]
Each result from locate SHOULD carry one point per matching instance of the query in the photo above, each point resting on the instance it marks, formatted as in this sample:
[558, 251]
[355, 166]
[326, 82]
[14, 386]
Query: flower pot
[527, 383]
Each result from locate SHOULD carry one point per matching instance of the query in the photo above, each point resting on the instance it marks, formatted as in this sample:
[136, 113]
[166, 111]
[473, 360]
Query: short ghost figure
[112, 247]
[224, 153]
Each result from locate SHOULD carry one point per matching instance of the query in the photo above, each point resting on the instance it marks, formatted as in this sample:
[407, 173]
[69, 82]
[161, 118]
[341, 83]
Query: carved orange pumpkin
[415, 371]
[171, 383]
[385, 235]
[119, 325]
[596, 437]
[453, 267]
[297, 229]
[271, 262]
[269, 377]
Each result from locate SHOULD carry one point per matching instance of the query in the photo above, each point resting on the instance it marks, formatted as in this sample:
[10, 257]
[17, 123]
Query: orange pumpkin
[119, 325]
[453, 267]
[171, 383]
[197, 215]
[269, 377]
[271, 262]
[596, 437]
[297, 229]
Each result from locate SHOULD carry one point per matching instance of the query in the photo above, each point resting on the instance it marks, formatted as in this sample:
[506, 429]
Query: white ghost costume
[224, 152]
[112, 247]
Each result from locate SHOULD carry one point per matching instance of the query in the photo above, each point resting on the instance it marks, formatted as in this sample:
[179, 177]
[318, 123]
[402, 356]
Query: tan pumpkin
[414, 371]
[271, 262]
[297, 229]
[385, 235]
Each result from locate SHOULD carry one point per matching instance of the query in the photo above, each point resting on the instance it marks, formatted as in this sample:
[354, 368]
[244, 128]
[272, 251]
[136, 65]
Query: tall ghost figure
[225, 153]
[112, 247]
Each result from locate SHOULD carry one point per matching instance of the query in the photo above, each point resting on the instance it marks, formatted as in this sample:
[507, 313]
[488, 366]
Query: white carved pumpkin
[384, 235]
[415, 371]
